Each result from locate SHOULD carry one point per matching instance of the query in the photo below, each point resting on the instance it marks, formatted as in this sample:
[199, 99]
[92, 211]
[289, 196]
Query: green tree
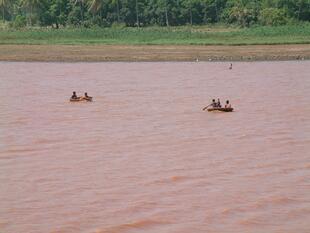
[58, 11]
[213, 9]
[81, 4]
[31, 5]
[189, 6]
[241, 12]
[273, 16]
[155, 12]
[96, 6]
[116, 3]
[163, 7]
[4, 4]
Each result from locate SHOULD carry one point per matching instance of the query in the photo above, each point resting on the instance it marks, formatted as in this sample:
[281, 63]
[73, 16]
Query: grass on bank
[185, 35]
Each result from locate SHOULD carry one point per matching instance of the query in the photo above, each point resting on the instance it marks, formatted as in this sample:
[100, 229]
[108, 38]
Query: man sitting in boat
[227, 105]
[74, 96]
[86, 97]
[213, 105]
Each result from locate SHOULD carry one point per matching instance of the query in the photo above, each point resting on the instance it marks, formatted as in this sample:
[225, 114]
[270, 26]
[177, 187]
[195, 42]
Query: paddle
[206, 107]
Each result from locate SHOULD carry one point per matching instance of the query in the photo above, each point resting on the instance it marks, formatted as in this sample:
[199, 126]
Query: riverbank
[99, 53]
[182, 35]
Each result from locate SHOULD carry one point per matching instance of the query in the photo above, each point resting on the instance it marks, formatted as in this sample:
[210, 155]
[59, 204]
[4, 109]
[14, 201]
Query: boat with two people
[75, 98]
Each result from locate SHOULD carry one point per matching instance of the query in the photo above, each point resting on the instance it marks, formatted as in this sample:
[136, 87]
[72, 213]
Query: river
[144, 157]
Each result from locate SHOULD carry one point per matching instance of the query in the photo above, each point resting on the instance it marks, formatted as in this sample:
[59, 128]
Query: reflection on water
[144, 157]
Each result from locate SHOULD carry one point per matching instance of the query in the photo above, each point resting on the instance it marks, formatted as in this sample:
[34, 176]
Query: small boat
[75, 99]
[79, 99]
[220, 109]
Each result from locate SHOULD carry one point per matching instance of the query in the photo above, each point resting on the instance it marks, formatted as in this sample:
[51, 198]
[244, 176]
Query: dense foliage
[103, 13]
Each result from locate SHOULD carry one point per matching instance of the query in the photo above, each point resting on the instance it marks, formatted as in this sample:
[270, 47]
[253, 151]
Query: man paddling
[213, 104]
[86, 97]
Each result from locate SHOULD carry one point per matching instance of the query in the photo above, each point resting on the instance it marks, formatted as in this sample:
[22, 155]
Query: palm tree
[30, 4]
[81, 2]
[95, 6]
[4, 4]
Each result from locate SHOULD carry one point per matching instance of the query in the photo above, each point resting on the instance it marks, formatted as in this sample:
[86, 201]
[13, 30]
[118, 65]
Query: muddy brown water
[144, 157]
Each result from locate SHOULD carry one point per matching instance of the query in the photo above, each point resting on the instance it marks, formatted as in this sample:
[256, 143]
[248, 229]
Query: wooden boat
[75, 99]
[220, 109]
[79, 99]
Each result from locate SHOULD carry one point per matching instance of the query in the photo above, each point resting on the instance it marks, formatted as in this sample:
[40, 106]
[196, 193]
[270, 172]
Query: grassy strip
[294, 34]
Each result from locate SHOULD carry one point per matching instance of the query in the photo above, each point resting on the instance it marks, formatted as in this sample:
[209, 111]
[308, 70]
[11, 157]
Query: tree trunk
[31, 15]
[137, 12]
[82, 11]
[166, 14]
[216, 11]
[205, 12]
[3, 13]
[118, 18]
[191, 16]
[299, 10]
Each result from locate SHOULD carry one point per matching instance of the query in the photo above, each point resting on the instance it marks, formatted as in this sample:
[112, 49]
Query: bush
[3, 24]
[97, 21]
[87, 24]
[118, 25]
[19, 22]
[74, 17]
[273, 17]
[242, 16]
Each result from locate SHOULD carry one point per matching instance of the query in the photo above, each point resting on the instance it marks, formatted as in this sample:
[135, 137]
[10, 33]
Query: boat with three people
[216, 106]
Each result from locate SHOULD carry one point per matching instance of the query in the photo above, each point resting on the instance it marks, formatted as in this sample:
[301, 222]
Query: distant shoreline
[144, 53]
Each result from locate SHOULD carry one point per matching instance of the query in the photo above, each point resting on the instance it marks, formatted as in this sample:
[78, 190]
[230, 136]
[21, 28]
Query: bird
[230, 66]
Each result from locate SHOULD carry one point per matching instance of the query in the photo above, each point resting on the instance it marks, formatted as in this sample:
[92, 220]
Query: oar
[206, 107]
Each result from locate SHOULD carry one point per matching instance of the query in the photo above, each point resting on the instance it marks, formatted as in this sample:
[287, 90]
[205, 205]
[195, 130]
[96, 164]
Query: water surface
[144, 157]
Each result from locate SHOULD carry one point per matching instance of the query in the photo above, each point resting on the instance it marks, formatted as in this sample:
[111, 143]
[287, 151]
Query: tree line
[104, 13]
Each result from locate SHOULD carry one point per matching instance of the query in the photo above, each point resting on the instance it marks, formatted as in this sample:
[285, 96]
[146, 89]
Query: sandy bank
[93, 53]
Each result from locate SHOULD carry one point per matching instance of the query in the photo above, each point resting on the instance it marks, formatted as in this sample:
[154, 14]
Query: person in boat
[218, 104]
[74, 96]
[86, 97]
[227, 105]
[213, 105]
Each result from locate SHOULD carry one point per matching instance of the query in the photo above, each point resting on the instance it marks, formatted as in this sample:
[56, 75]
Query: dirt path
[92, 53]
